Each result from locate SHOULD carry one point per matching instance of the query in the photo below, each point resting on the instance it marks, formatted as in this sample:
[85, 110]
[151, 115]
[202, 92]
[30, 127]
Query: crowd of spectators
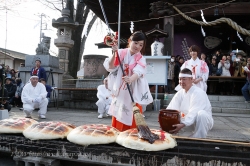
[231, 65]
[11, 85]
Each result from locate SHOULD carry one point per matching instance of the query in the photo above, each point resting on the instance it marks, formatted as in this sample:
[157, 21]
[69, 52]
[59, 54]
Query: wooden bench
[236, 83]
[70, 93]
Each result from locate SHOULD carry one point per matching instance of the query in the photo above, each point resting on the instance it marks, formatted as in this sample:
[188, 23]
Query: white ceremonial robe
[104, 99]
[195, 109]
[199, 69]
[122, 105]
[30, 93]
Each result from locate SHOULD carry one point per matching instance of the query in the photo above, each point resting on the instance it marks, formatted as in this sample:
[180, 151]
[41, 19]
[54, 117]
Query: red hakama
[122, 127]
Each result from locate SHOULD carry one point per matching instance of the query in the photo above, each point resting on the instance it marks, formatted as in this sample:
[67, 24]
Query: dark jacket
[5, 93]
[6, 105]
[19, 89]
[11, 89]
[49, 90]
[41, 73]
[218, 58]
[213, 69]
[177, 69]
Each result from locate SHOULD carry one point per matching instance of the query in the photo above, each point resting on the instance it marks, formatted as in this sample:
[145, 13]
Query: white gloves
[38, 100]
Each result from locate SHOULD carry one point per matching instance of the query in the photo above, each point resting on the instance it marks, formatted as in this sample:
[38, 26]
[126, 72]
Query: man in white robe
[194, 106]
[105, 99]
[34, 96]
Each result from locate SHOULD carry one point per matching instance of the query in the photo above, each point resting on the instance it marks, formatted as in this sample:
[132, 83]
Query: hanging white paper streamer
[131, 27]
[85, 29]
[203, 32]
[204, 20]
[202, 16]
[239, 36]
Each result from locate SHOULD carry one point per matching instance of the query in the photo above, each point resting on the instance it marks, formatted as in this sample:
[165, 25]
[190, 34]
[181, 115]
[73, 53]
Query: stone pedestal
[93, 66]
[94, 72]
[88, 83]
[49, 63]
[4, 114]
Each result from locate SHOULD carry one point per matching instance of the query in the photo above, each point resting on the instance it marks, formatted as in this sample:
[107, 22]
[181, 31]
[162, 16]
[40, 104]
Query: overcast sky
[23, 28]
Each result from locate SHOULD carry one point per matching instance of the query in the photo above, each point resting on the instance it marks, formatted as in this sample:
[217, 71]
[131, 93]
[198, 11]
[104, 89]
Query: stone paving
[234, 127]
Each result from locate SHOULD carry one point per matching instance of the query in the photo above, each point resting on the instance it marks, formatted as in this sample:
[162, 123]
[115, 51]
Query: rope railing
[230, 22]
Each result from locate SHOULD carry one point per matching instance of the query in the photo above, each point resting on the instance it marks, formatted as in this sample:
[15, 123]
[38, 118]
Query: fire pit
[188, 152]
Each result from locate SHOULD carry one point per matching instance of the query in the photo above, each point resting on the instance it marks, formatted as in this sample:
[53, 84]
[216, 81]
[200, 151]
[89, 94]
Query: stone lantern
[64, 26]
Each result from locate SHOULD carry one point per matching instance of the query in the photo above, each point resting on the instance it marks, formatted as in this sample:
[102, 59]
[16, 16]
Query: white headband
[34, 77]
[184, 75]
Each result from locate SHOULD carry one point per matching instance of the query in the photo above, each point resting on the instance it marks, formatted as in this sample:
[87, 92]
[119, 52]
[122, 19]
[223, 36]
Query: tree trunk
[84, 40]
[70, 6]
[76, 36]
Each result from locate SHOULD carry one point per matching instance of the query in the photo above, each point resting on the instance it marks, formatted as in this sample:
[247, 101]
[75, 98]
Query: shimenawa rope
[230, 22]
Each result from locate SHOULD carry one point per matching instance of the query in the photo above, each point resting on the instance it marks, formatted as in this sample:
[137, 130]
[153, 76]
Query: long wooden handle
[212, 140]
[130, 93]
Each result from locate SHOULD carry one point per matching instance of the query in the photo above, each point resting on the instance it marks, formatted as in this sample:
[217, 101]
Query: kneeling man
[194, 106]
[105, 99]
[34, 96]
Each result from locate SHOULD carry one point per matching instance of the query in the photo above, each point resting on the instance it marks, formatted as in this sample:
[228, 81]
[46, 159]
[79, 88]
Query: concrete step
[225, 104]
[210, 97]
[226, 98]
[225, 110]
[230, 110]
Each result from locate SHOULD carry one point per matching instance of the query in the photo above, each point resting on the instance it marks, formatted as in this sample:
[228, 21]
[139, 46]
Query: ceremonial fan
[110, 40]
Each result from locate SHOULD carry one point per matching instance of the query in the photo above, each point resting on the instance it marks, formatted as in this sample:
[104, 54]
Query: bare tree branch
[41, 1]
[91, 23]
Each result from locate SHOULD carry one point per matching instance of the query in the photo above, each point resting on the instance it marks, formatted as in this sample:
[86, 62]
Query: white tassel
[239, 36]
[202, 16]
[85, 29]
[131, 27]
[203, 32]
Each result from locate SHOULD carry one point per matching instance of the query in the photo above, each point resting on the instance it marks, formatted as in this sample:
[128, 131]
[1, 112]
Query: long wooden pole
[119, 23]
[212, 140]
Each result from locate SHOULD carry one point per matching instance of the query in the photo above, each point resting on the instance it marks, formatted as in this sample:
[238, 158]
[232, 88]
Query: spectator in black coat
[10, 87]
[213, 68]
[212, 86]
[177, 69]
[16, 100]
[48, 88]
[3, 93]
[218, 55]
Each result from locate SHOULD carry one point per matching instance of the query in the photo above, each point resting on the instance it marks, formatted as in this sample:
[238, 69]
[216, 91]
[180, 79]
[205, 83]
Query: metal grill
[187, 152]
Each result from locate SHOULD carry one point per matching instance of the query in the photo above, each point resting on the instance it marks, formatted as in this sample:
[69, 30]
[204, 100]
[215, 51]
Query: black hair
[186, 71]
[42, 79]
[194, 48]
[138, 36]
[180, 58]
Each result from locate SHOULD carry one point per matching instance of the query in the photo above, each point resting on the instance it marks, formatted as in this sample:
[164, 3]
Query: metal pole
[3, 67]
[41, 27]
[119, 23]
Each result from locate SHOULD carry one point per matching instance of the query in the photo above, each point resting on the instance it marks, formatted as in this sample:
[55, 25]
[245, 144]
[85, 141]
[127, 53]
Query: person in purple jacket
[38, 70]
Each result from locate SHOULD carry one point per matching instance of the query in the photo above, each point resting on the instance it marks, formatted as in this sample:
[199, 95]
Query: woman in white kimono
[134, 66]
[198, 67]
